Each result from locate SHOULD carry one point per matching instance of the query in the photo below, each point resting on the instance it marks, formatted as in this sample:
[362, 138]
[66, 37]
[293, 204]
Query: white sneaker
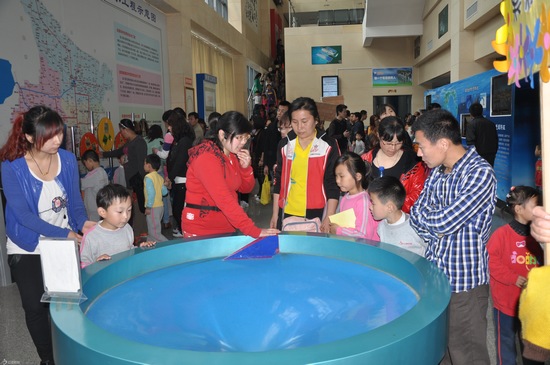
[244, 204]
[176, 233]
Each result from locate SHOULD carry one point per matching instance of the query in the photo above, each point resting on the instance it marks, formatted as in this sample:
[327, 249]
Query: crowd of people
[412, 184]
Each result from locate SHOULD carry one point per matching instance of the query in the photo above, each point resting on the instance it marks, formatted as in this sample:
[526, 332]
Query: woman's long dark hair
[155, 132]
[232, 123]
[39, 122]
[180, 126]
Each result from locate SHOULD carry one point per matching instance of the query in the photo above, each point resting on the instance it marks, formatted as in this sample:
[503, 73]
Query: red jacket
[213, 180]
[321, 181]
[510, 255]
[412, 180]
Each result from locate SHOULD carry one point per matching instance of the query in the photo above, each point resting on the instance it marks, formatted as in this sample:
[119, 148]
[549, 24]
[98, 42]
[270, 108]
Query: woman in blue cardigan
[41, 185]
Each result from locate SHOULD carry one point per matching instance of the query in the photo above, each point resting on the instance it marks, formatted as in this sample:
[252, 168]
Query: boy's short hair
[388, 188]
[108, 194]
[90, 155]
[153, 160]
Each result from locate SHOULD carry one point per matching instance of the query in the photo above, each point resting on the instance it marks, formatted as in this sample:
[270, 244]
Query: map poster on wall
[384, 77]
[79, 57]
[326, 55]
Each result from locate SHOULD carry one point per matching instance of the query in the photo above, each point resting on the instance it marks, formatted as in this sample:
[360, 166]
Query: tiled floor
[16, 346]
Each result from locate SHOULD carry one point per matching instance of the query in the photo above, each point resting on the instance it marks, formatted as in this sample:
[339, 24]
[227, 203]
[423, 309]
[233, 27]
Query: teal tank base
[258, 314]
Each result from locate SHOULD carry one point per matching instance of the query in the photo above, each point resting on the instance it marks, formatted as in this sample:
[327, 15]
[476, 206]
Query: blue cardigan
[22, 190]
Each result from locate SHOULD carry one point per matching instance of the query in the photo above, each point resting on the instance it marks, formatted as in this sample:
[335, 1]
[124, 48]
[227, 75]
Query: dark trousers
[178, 191]
[26, 271]
[506, 329]
[136, 184]
[468, 328]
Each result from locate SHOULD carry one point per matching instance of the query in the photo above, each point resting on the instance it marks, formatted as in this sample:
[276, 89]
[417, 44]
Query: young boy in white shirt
[387, 196]
[112, 234]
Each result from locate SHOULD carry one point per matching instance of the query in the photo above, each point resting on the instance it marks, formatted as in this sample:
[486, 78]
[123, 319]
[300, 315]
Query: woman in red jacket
[218, 167]
[391, 158]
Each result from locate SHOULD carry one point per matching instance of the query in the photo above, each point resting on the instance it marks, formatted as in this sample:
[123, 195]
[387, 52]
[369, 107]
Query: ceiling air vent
[472, 10]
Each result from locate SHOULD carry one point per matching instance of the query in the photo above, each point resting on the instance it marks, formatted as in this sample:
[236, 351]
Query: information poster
[79, 57]
[384, 77]
[330, 86]
[206, 94]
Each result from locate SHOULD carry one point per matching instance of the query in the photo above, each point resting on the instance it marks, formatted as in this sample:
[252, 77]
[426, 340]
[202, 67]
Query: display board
[79, 57]
[206, 94]
[330, 86]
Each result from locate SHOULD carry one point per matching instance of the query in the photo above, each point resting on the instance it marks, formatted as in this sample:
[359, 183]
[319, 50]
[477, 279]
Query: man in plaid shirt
[453, 215]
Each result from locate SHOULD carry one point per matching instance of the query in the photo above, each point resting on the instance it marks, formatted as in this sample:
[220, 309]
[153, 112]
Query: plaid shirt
[453, 215]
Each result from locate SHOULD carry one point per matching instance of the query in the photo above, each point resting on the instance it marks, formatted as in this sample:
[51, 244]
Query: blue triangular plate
[261, 248]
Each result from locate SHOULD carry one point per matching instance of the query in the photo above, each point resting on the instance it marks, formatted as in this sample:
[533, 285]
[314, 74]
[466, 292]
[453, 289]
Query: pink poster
[136, 86]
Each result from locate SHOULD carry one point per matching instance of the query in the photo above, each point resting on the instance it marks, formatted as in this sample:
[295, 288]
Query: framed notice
[206, 94]
[60, 261]
[330, 86]
[189, 100]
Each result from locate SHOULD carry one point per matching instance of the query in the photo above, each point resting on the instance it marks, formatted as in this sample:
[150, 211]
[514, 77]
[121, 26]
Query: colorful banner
[524, 40]
[384, 77]
[326, 55]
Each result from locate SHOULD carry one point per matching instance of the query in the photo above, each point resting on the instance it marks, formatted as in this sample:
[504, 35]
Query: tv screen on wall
[501, 95]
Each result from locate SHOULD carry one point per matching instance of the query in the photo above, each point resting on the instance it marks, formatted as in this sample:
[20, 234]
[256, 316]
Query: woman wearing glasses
[218, 167]
[392, 158]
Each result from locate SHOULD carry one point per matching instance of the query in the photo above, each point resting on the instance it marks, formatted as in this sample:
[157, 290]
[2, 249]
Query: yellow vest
[158, 181]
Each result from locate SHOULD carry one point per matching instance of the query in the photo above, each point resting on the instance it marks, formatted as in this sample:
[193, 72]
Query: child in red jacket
[512, 254]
